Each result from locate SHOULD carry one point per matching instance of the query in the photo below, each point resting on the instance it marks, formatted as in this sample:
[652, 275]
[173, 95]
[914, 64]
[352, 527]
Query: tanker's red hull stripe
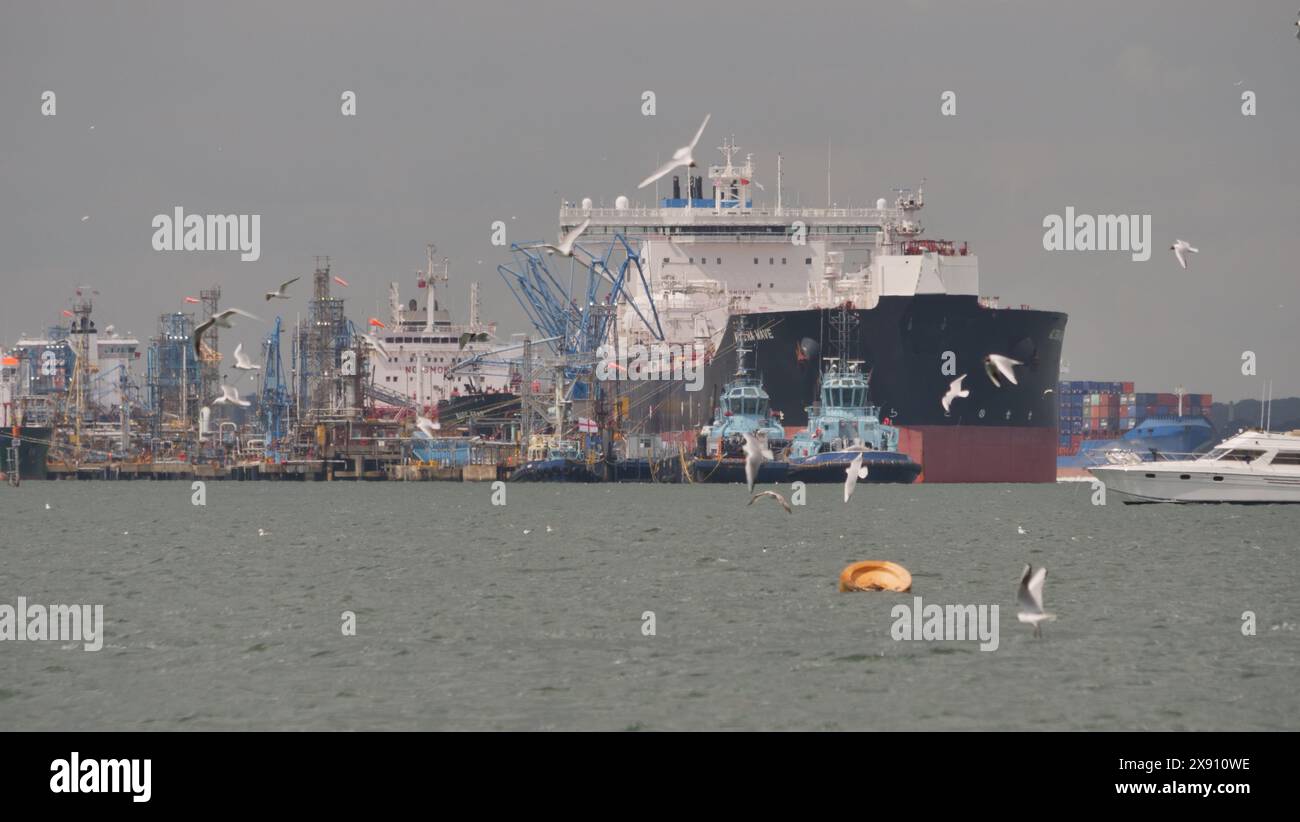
[958, 453]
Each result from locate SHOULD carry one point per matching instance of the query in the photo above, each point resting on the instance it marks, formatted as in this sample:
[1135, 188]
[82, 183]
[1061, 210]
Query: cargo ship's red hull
[962, 453]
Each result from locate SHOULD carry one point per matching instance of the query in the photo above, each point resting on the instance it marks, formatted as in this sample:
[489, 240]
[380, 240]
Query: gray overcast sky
[476, 111]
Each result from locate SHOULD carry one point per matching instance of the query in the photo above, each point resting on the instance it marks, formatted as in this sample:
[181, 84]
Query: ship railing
[671, 216]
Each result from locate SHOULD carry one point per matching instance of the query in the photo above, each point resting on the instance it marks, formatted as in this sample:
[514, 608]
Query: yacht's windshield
[1243, 454]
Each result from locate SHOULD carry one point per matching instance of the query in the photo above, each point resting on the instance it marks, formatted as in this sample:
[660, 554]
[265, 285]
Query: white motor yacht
[1253, 466]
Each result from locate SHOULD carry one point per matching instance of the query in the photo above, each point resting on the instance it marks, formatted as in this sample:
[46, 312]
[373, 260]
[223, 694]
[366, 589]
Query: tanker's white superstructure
[707, 258]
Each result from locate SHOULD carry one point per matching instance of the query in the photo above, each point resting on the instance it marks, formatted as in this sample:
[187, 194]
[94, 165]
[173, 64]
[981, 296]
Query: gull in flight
[954, 391]
[756, 453]
[242, 362]
[372, 341]
[85, 217]
[565, 247]
[1020, 529]
[282, 292]
[1030, 597]
[681, 157]
[428, 426]
[261, 532]
[230, 394]
[855, 471]
[774, 495]
[221, 319]
[1179, 248]
[995, 364]
[469, 336]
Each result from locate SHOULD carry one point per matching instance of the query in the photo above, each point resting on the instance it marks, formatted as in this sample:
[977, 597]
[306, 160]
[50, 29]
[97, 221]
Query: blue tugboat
[842, 424]
[743, 408]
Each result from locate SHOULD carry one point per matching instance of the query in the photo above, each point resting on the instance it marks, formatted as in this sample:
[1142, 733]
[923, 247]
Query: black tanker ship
[913, 347]
[920, 323]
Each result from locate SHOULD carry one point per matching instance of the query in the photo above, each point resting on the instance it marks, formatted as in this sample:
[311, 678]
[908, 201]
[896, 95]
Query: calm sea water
[464, 621]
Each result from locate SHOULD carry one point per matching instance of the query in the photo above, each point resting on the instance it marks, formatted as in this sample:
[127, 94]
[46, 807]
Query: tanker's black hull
[997, 434]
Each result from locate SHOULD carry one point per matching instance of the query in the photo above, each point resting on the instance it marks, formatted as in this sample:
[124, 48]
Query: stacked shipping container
[1093, 410]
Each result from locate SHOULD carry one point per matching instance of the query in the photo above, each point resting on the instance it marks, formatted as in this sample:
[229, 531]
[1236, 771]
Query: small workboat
[555, 460]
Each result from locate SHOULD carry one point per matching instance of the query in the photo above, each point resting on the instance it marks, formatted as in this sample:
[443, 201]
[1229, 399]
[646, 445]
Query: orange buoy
[875, 575]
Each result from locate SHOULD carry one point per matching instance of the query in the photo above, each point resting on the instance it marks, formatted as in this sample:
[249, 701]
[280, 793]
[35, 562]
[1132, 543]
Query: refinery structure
[308, 396]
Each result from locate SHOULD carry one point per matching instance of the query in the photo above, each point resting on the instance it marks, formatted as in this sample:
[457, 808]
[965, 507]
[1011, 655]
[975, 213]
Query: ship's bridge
[745, 399]
[728, 209]
[844, 391]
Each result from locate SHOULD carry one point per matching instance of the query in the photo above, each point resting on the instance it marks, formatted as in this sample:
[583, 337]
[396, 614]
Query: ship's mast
[430, 278]
[742, 351]
[731, 182]
[779, 175]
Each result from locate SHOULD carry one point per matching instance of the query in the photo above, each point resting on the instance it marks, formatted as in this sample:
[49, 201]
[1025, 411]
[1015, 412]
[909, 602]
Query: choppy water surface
[464, 621]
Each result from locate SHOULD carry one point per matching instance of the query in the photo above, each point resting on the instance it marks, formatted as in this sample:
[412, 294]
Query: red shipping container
[1127, 387]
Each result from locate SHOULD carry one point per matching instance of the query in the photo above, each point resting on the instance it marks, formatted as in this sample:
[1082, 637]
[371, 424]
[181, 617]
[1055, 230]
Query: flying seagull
[995, 364]
[756, 453]
[428, 426]
[470, 336]
[221, 319]
[230, 394]
[1181, 246]
[372, 341]
[774, 495]
[855, 471]
[282, 293]
[954, 391]
[565, 247]
[242, 362]
[1030, 597]
[681, 157]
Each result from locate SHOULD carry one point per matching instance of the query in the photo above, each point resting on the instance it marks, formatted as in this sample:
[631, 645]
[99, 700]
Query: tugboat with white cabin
[843, 424]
